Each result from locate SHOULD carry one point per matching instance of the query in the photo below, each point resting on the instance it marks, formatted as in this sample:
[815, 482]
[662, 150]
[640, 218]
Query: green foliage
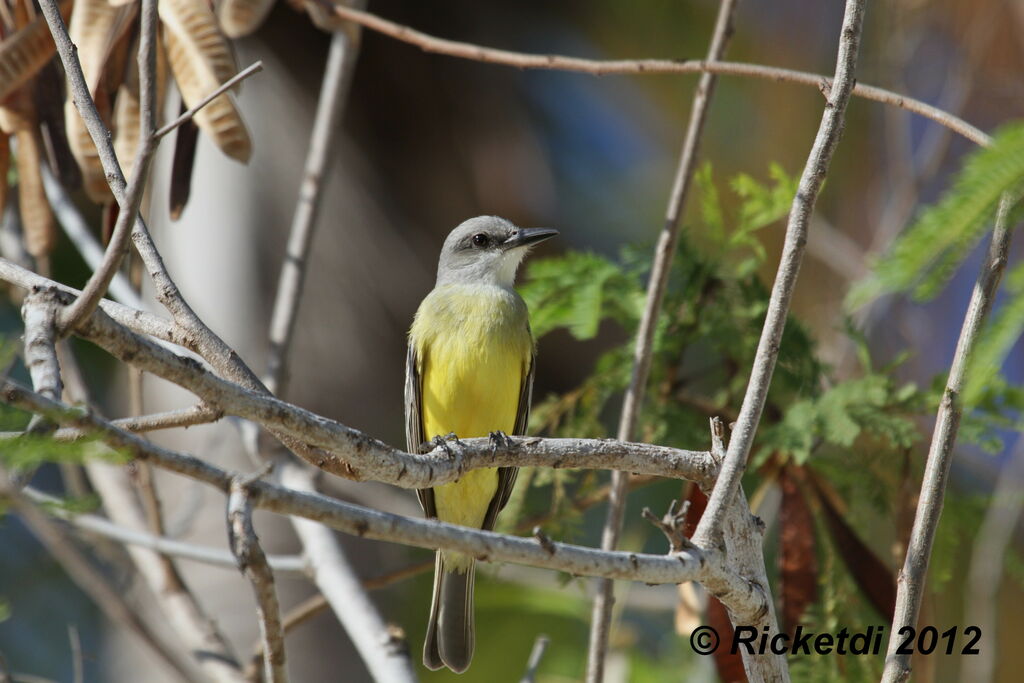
[928, 252]
[29, 451]
[998, 338]
[858, 433]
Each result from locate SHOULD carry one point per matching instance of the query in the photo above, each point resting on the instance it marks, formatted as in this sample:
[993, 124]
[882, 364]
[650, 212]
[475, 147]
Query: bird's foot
[442, 442]
[499, 439]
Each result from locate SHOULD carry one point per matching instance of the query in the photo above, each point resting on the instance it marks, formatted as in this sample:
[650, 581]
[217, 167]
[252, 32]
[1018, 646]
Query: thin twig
[80, 235]
[341, 60]
[533, 663]
[381, 647]
[598, 67]
[785, 281]
[253, 563]
[317, 604]
[96, 287]
[171, 419]
[911, 582]
[985, 573]
[664, 252]
[217, 557]
[78, 675]
[256, 67]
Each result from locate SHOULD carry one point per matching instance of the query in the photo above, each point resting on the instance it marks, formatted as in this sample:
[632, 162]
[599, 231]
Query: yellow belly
[473, 354]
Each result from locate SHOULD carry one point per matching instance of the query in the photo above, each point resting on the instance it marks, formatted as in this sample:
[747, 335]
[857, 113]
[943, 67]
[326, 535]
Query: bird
[469, 372]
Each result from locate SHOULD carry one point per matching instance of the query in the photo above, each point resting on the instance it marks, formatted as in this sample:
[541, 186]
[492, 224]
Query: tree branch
[356, 520]
[912, 577]
[189, 114]
[100, 526]
[813, 176]
[341, 60]
[596, 67]
[96, 287]
[664, 252]
[253, 563]
[381, 647]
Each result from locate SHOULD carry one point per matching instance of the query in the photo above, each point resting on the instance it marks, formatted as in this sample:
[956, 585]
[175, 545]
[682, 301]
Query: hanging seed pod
[93, 25]
[185, 141]
[126, 120]
[200, 61]
[193, 22]
[26, 51]
[36, 216]
[241, 17]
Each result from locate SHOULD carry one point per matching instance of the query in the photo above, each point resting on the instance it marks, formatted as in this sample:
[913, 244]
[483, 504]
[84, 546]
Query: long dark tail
[450, 632]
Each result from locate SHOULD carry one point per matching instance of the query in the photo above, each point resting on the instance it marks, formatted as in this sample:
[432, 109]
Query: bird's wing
[414, 422]
[507, 475]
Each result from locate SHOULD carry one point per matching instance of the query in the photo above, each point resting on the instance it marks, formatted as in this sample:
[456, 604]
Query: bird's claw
[499, 439]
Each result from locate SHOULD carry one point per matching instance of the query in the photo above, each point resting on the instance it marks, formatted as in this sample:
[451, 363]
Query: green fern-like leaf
[997, 340]
[924, 257]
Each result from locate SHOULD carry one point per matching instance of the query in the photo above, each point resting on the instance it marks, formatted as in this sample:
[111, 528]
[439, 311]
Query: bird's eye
[480, 239]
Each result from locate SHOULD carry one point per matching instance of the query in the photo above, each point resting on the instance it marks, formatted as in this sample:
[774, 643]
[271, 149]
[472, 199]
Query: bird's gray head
[486, 250]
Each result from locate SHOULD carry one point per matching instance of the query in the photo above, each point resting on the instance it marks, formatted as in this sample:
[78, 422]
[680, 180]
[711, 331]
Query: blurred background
[428, 141]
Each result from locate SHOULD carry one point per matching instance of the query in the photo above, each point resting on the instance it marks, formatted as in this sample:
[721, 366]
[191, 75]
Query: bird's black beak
[526, 237]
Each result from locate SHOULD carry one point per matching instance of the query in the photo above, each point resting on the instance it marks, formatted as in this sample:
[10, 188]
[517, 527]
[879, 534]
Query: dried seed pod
[185, 139]
[26, 51]
[36, 216]
[194, 63]
[241, 17]
[126, 122]
[93, 27]
[192, 22]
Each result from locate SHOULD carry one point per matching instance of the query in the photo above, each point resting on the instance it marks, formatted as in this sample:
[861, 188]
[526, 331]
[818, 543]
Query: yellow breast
[474, 349]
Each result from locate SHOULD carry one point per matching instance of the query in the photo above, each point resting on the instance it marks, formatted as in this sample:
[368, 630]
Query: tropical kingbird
[469, 371]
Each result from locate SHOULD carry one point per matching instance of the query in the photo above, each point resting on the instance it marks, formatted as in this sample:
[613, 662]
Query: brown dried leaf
[36, 217]
[24, 52]
[241, 17]
[798, 560]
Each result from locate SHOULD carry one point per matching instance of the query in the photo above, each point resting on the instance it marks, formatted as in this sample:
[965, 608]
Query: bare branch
[353, 519]
[223, 88]
[643, 348]
[96, 287]
[78, 232]
[341, 60]
[984, 577]
[533, 663]
[911, 582]
[785, 281]
[253, 562]
[596, 67]
[218, 557]
[39, 313]
[381, 647]
[363, 458]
